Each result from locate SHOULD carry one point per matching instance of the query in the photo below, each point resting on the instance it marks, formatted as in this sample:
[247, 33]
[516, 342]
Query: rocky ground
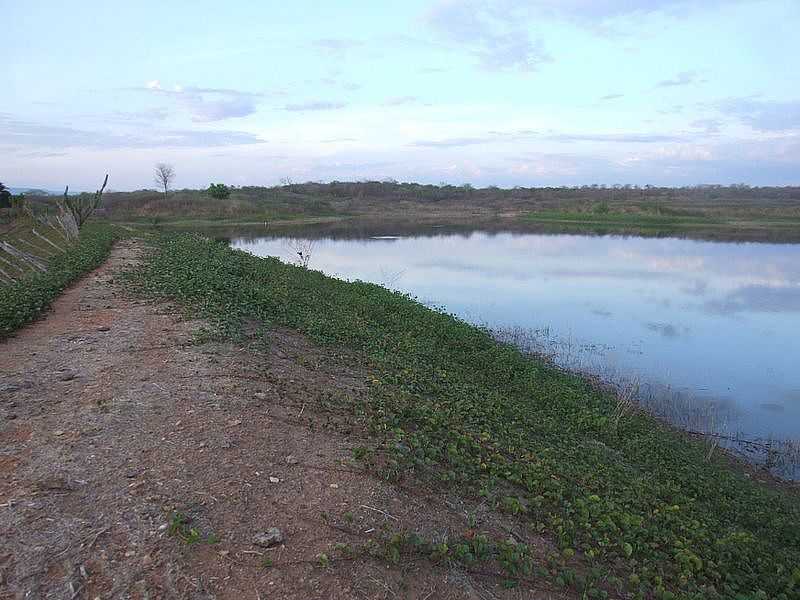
[139, 461]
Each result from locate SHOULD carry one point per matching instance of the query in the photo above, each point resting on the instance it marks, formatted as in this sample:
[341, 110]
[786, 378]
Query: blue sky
[491, 92]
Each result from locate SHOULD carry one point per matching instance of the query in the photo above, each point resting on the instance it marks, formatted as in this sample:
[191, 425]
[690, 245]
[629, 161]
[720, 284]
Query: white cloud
[683, 78]
[496, 39]
[208, 104]
[314, 106]
[31, 134]
[590, 11]
[764, 115]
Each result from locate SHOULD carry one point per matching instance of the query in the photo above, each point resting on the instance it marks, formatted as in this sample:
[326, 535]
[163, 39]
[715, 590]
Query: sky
[487, 92]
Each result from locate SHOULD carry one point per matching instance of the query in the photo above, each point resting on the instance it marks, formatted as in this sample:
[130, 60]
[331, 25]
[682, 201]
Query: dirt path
[113, 417]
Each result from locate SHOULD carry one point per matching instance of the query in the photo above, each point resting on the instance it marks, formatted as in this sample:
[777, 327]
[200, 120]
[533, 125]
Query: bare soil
[114, 414]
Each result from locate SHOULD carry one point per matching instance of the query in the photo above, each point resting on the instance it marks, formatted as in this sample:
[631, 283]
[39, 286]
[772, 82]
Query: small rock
[235, 422]
[58, 432]
[147, 560]
[291, 460]
[66, 376]
[274, 480]
[9, 387]
[11, 417]
[104, 328]
[130, 553]
[163, 527]
[271, 537]
[335, 486]
[260, 396]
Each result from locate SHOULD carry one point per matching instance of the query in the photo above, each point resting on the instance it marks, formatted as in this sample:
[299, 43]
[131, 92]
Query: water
[714, 325]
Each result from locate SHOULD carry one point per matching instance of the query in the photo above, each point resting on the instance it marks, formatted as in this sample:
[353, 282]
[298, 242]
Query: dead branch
[23, 256]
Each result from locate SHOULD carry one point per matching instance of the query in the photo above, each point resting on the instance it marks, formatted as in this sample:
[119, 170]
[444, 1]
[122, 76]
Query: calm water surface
[717, 323]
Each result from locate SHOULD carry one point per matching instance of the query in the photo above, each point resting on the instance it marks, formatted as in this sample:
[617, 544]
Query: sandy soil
[113, 416]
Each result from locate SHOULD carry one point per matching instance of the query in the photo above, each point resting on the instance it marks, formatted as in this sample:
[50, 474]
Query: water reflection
[710, 319]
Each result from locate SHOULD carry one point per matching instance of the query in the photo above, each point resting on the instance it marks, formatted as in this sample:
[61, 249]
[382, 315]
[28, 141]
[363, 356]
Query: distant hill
[34, 191]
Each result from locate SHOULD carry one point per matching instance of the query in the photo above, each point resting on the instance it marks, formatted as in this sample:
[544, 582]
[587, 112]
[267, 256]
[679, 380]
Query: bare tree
[164, 175]
[74, 210]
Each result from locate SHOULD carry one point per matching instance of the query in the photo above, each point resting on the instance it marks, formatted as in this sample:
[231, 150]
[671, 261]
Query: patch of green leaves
[23, 301]
[182, 527]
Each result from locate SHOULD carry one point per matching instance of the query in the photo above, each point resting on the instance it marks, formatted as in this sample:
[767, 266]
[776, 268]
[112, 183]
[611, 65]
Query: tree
[79, 208]
[5, 197]
[219, 191]
[164, 176]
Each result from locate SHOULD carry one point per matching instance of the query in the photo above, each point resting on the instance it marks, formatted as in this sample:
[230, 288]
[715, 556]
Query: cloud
[36, 154]
[452, 143]
[208, 104]
[612, 97]
[590, 11]
[527, 134]
[338, 83]
[314, 105]
[667, 330]
[759, 299]
[709, 126]
[765, 115]
[146, 115]
[56, 136]
[497, 40]
[336, 47]
[401, 100]
[683, 78]
[623, 138]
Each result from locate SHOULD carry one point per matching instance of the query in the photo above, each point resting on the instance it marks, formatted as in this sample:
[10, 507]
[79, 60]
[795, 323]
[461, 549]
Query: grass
[760, 227]
[23, 301]
[642, 505]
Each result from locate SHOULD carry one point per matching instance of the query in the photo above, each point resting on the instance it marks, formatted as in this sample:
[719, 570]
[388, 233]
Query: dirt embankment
[113, 417]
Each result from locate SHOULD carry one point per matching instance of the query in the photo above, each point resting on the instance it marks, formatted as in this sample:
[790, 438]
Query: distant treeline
[372, 197]
[433, 193]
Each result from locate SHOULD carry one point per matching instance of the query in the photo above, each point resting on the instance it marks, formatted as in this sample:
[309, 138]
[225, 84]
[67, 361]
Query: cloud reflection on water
[666, 305]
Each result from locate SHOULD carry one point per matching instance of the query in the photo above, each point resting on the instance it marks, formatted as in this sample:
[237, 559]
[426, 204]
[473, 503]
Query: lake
[705, 331]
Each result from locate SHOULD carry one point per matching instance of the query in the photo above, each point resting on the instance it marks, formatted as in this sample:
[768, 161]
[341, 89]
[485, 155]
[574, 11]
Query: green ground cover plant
[23, 301]
[642, 505]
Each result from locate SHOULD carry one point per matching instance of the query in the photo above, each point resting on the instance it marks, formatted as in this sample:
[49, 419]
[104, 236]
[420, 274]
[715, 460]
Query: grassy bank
[761, 227]
[23, 301]
[641, 508]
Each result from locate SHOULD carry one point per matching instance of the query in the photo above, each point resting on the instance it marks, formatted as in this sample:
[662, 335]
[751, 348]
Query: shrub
[220, 191]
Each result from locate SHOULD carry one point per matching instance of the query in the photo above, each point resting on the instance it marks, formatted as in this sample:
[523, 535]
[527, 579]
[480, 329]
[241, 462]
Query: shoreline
[777, 232]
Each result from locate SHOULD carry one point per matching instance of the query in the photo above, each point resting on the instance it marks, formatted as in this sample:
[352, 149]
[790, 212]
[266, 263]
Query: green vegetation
[24, 300]
[5, 196]
[181, 527]
[638, 504]
[219, 191]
